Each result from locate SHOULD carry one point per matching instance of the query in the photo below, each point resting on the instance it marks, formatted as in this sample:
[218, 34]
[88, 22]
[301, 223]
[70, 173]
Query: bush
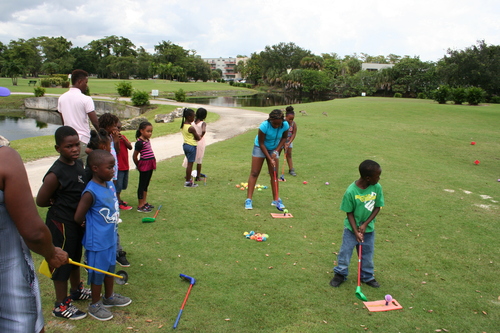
[180, 96]
[124, 89]
[140, 98]
[249, 86]
[441, 94]
[495, 99]
[39, 91]
[458, 95]
[45, 83]
[231, 83]
[475, 95]
[421, 95]
[398, 95]
[65, 84]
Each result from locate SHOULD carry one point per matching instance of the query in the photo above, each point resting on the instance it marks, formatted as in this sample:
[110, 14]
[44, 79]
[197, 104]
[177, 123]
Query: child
[267, 146]
[109, 122]
[61, 190]
[201, 128]
[98, 209]
[101, 140]
[123, 167]
[292, 132]
[21, 230]
[191, 138]
[146, 165]
[362, 202]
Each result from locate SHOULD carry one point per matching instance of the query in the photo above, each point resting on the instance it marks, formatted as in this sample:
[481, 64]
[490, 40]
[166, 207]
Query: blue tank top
[102, 218]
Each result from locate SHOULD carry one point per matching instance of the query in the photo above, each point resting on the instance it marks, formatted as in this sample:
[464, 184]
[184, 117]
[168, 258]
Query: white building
[373, 67]
[226, 65]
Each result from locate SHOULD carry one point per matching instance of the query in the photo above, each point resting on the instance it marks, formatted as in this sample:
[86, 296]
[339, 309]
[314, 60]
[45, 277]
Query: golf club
[151, 219]
[192, 281]
[282, 178]
[359, 293]
[124, 276]
[276, 188]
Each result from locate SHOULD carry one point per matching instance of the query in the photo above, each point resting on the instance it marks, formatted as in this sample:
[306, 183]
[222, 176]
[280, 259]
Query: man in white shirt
[76, 109]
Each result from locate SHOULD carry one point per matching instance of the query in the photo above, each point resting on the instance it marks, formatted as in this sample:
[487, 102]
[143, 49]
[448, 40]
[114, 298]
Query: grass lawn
[108, 87]
[436, 248]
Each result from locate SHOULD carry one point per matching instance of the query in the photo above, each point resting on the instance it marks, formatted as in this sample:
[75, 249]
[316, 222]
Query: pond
[27, 124]
[257, 100]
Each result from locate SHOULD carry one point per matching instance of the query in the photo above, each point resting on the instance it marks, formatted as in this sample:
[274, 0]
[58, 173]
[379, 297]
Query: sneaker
[292, 172]
[116, 300]
[278, 204]
[144, 209]
[123, 206]
[248, 204]
[373, 283]
[80, 293]
[67, 310]
[99, 312]
[121, 259]
[119, 220]
[190, 184]
[337, 280]
[148, 205]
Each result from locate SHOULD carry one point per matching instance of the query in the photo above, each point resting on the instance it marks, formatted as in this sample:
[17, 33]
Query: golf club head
[124, 278]
[191, 280]
[278, 208]
[360, 295]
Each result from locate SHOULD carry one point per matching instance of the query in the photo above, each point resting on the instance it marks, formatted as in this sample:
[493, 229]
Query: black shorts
[68, 236]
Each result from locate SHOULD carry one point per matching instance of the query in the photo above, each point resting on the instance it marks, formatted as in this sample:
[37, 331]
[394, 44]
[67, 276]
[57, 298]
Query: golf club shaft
[182, 306]
[359, 265]
[93, 268]
[157, 211]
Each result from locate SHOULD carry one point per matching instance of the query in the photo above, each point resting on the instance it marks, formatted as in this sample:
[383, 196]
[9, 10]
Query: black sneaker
[122, 259]
[337, 280]
[372, 283]
[80, 293]
[148, 205]
[67, 310]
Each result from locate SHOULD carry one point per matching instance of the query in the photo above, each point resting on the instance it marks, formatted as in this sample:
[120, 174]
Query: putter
[151, 219]
[282, 178]
[192, 281]
[123, 277]
[276, 187]
[359, 293]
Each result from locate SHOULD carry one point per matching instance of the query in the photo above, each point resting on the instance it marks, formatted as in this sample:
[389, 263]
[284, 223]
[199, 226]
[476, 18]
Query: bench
[32, 81]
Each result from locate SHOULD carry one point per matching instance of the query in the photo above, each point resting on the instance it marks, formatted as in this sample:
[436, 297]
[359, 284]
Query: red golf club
[192, 281]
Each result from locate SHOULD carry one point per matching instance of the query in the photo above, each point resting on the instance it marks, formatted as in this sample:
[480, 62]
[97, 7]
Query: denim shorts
[257, 152]
[122, 181]
[190, 152]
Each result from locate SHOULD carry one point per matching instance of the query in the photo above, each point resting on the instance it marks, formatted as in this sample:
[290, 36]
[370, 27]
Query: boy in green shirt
[361, 202]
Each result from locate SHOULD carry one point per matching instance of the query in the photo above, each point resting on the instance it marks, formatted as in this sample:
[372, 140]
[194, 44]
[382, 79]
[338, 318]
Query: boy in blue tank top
[98, 209]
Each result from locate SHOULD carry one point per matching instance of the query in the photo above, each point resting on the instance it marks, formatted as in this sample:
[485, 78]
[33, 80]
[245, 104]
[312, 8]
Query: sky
[222, 28]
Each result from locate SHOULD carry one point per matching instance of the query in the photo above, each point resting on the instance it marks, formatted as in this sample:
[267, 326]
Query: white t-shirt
[74, 107]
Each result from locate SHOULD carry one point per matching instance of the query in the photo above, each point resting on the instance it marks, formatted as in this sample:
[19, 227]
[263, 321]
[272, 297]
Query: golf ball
[327, 183]
[473, 143]
[476, 162]
[304, 182]
[285, 211]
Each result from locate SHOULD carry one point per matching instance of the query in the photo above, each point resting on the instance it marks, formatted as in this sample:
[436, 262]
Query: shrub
[475, 95]
[45, 83]
[124, 89]
[65, 84]
[140, 98]
[180, 95]
[441, 94]
[39, 91]
[421, 95]
[398, 95]
[495, 99]
[231, 83]
[458, 95]
[249, 86]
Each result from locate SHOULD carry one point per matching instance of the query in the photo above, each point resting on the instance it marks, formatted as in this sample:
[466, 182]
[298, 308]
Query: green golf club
[359, 293]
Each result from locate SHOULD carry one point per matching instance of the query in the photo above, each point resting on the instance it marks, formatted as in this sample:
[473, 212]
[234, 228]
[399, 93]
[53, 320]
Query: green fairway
[108, 87]
[437, 240]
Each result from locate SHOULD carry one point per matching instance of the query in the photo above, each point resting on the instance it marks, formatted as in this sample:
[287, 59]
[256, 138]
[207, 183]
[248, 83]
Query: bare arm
[374, 213]
[22, 208]
[135, 157]
[262, 146]
[192, 130]
[46, 192]
[125, 140]
[83, 207]
[93, 119]
[203, 129]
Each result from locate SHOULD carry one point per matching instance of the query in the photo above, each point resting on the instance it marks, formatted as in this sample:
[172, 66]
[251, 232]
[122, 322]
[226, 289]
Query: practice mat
[281, 215]
[377, 306]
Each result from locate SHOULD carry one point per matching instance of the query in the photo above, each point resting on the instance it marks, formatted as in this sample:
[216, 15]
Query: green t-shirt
[361, 203]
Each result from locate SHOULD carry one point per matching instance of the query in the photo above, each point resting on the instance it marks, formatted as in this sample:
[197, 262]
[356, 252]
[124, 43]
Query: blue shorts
[104, 260]
[257, 152]
[122, 181]
[190, 152]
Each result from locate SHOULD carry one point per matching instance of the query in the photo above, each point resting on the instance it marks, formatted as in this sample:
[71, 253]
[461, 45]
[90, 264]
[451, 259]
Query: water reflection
[17, 125]
[257, 100]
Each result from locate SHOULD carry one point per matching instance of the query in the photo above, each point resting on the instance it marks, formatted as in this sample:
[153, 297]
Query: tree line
[285, 66]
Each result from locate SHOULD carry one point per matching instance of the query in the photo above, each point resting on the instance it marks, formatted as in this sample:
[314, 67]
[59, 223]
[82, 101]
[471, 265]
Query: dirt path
[232, 122]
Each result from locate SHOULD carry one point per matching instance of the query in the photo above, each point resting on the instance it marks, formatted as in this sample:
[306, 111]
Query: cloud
[227, 28]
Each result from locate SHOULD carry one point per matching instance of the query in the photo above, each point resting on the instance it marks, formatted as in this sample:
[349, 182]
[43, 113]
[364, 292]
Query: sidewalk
[231, 123]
